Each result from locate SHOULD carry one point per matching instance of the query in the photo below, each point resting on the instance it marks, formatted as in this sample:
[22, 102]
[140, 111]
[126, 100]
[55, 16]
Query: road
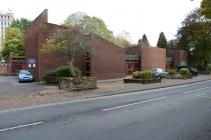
[175, 113]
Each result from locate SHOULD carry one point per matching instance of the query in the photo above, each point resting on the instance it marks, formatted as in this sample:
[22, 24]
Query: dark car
[25, 76]
[192, 70]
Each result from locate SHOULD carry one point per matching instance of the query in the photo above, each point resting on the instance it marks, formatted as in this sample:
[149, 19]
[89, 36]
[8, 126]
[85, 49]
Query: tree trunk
[71, 66]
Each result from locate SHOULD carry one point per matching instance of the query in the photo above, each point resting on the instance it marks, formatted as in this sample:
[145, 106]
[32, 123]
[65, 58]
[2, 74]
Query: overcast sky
[134, 16]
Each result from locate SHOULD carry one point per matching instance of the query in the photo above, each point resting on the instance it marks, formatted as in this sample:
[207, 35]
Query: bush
[63, 71]
[136, 75]
[172, 72]
[77, 72]
[148, 74]
[50, 77]
[184, 71]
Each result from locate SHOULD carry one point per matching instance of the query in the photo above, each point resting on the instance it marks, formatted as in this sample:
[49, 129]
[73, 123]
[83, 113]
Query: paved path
[174, 113]
[15, 95]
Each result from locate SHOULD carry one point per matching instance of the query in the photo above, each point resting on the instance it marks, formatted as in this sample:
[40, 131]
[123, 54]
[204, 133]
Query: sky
[137, 17]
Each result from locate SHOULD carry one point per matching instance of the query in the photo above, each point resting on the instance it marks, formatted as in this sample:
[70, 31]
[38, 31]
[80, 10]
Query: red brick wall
[133, 51]
[152, 57]
[108, 60]
[178, 56]
[31, 43]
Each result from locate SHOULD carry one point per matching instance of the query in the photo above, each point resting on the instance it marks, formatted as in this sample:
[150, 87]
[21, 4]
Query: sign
[31, 61]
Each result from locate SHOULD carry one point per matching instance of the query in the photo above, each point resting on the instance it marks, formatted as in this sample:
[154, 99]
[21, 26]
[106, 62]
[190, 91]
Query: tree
[90, 24]
[172, 44]
[195, 37]
[144, 41]
[13, 42]
[122, 39]
[75, 19]
[162, 42]
[71, 42]
[206, 8]
[21, 24]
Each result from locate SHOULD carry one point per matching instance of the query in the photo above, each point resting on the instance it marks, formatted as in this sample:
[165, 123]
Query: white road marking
[20, 126]
[202, 95]
[196, 90]
[127, 105]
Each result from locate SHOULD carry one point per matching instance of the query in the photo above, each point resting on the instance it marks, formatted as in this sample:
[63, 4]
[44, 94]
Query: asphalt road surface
[176, 113]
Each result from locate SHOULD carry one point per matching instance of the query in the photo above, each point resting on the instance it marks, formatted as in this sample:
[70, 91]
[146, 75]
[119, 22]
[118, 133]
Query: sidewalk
[105, 88]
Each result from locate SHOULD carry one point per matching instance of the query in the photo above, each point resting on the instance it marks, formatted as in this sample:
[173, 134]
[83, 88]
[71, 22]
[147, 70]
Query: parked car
[192, 70]
[159, 72]
[25, 76]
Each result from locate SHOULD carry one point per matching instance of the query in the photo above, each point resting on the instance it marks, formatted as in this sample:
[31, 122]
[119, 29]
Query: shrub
[172, 72]
[50, 77]
[77, 72]
[148, 74]
[184, 71]
[63, 71]
[136, 75]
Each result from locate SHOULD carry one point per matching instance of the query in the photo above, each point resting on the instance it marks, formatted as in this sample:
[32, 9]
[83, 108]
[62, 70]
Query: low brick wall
[3, 70]
[77, 83]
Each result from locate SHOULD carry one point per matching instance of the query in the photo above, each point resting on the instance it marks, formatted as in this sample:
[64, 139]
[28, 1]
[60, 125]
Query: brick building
[175, 58]
[146, 57]
[105, 62]
[143, 58]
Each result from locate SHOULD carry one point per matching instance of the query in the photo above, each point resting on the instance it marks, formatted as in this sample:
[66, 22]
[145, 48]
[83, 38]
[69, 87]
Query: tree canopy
[71, 42]
[162, 41]
[195, 37]
[21, 24]
[144, 41]
[13, 42]
[90, 24]
[206, 8]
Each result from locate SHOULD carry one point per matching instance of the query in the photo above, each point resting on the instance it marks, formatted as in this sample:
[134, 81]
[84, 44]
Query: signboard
[31, 61]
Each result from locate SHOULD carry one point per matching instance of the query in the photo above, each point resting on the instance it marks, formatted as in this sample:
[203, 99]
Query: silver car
[159, 72]
[24, 76]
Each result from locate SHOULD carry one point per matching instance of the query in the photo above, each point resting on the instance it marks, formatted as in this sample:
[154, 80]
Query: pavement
[173, 113]
[17, 95]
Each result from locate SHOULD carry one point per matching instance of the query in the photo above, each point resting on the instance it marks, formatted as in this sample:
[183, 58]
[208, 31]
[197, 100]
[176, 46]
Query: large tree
[21, 23]
[14, 38]
[162, 41]
[195, 37]
[90, 24]
[13, 42]
[144, 41]
[206, 8]
[122, 39]
[71, 42]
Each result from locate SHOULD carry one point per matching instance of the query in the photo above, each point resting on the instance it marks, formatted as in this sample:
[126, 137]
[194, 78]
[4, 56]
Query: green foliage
[206, 8]
[144, 41]
[90, 24]
[136, 74]
[13, 43]
[20, 24]
[71, 42]
[63, 71]
[148, 74]
[195, 37]
[184, 71]
[50, 77]
[162, 41]
[172, 72]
